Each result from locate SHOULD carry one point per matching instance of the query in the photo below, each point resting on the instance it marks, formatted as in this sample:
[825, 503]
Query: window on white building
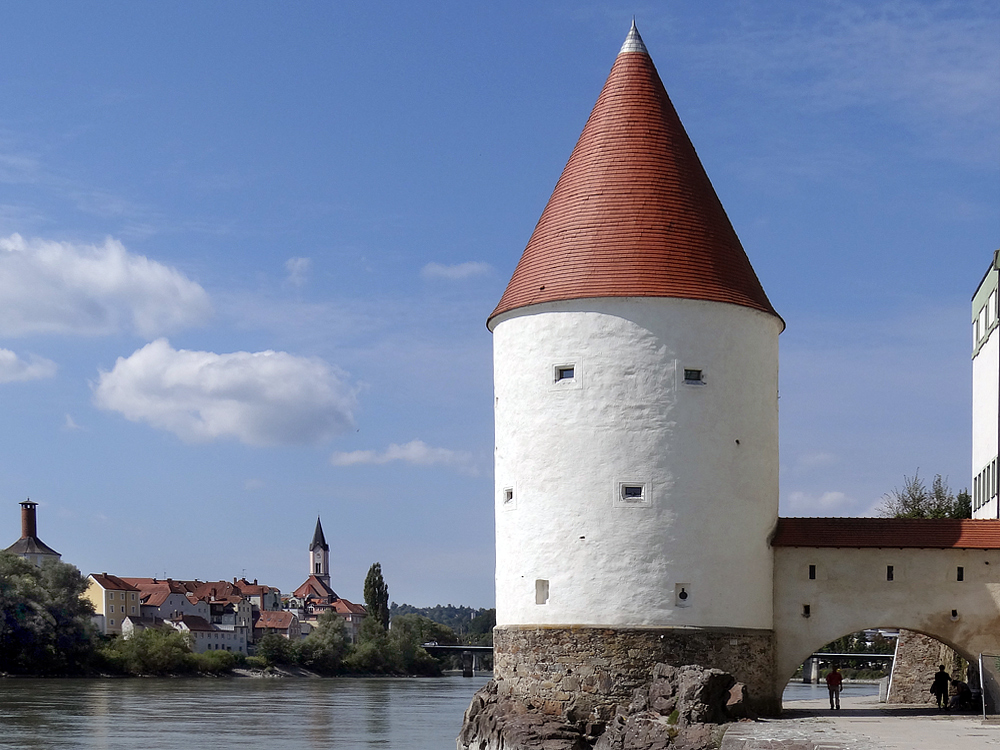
[694, 377]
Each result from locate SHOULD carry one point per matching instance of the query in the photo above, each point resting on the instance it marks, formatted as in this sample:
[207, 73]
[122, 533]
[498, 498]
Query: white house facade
[985, 390]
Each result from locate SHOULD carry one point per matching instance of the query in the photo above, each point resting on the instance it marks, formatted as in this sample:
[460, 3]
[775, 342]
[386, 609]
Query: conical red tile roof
[634, 214]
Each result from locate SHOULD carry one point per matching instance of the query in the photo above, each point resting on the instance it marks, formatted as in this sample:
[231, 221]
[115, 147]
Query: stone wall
[917, 659]
[589, 671]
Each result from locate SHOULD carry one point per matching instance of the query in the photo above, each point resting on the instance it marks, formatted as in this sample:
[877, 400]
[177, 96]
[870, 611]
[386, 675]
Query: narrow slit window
[961, 573]
[541, 591]
[508, 497]
[812, 572]
[806, 610]
[889, 573]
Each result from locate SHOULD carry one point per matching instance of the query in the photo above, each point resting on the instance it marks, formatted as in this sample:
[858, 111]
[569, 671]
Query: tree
[275, 649]
[152, 651]
[44, 621]
[325, 648]
[377, 596]
[914, 500]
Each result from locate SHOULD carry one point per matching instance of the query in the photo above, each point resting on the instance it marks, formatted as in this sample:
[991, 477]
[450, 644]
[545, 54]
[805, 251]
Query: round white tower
[636, 384]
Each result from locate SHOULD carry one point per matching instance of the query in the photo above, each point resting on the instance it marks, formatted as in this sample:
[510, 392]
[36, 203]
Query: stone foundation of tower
[581, 675]
[594, 669]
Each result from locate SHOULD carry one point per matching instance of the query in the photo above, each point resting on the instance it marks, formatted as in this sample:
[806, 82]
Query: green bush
[154, 651]
[215, 662]
[256, 662]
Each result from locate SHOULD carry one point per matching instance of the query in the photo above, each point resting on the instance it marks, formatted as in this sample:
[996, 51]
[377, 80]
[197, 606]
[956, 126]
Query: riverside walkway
[863, 724]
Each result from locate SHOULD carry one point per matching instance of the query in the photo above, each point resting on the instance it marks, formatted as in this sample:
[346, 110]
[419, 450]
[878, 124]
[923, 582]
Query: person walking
[939, 688]
[834, 682]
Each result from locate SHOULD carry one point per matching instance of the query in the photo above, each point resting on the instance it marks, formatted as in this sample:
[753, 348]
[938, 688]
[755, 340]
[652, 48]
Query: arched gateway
[840, 575]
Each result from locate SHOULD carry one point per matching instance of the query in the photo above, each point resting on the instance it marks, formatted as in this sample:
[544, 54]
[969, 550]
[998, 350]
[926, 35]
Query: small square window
[693, 377]
[565, 373]
[633, 493]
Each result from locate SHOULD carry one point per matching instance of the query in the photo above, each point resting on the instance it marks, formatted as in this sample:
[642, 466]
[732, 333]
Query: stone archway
[821, 593]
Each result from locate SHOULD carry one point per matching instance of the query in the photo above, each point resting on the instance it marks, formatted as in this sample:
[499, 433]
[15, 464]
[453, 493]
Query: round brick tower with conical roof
[636, 407]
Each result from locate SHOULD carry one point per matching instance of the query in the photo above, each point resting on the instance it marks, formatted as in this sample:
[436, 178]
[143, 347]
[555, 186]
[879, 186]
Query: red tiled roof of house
[279, 619]
[945, 533]
[314, 586]
[254, 589]
[344, 607]
[634, 214]
[113, 583]
[158, 584]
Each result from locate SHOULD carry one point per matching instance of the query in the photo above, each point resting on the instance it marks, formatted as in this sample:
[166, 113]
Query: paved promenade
[863, 724]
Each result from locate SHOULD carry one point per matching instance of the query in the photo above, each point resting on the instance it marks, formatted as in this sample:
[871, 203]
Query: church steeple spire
[319, 540]
[319, 555]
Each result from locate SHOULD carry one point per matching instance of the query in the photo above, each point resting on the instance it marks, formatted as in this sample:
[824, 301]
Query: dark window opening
[961, 573]
[812, 572]
[889, 573]
[693, 376]
[806, 610]
[565, 373]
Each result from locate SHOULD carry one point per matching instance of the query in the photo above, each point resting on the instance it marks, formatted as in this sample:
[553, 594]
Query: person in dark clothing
[961, 697]
[939, 688]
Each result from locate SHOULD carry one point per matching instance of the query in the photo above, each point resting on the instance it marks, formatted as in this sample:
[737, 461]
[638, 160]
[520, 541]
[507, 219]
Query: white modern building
[985, 390]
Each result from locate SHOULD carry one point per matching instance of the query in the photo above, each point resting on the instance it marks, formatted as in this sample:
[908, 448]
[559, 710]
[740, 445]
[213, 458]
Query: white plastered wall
[985, 385]
[851, 593]
[706, 455]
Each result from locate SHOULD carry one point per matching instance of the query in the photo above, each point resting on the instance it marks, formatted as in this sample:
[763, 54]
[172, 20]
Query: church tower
[319, 555]
[29, 546]
[636, 418]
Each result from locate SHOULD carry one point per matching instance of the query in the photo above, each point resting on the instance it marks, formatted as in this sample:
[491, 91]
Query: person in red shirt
[834, 681]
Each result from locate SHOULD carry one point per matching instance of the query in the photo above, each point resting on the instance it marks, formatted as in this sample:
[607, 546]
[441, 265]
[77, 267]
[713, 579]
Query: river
[270, 714]
[248, 714]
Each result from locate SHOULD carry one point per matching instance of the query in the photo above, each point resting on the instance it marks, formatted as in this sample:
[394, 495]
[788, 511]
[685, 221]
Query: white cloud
[70, 424]
[259, 398]
[455, 272]
[14, 369]
[415, 452]
[298, 271]
[63, 288]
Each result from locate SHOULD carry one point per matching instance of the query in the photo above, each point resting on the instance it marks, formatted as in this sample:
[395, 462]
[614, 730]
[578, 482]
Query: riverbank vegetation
[46, 629]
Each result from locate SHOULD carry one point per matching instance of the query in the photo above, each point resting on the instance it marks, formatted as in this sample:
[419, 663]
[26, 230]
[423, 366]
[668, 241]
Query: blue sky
[247, 251]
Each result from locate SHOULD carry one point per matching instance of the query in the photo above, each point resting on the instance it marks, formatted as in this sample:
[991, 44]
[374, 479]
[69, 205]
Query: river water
[270, 714]
[247, 714]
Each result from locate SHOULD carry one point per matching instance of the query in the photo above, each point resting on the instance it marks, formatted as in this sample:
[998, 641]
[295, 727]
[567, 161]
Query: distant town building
[986, 393]
[315, 596]
[205, 636]
[29, 546]
[284, 623]
[114, 599]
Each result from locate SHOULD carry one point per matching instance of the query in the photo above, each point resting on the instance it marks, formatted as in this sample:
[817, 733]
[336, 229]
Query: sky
[248, 249]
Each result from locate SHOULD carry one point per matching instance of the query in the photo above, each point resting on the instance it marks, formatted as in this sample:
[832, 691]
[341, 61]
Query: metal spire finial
[633, 42]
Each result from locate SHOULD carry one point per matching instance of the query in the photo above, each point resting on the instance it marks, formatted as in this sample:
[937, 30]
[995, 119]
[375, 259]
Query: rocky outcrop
[680, 708]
